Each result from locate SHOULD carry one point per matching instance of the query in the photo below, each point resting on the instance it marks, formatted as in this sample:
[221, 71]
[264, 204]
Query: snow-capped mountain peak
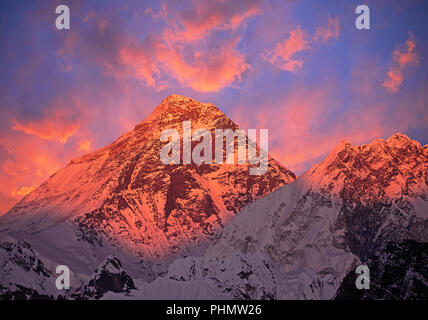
[123, 196]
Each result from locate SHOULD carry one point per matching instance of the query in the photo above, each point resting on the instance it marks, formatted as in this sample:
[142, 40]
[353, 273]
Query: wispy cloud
[330, 31]
[202, 18]
[58, 126]
[139, 64]
[402, 58]
[285, 55]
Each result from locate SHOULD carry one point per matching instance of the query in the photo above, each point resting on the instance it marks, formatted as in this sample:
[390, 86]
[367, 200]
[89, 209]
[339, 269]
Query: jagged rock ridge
[301, 240]
[109, 277]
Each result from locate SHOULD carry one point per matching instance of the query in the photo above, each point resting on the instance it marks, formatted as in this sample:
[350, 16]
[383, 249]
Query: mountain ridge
[177, 232]
[122, 196]
[301, 240]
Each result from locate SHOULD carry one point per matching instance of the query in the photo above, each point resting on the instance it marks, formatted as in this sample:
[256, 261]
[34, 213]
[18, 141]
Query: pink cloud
[330, 31]
[401, 60]
[209, 70]
[285, 55]
[179, 50]
[180, 53]
[201, 69]
[203, 18]
[33, 149]
[139, 64]
[30, 161]
[57, 126]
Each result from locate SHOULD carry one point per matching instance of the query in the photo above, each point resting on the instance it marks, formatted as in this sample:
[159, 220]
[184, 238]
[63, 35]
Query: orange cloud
[23, 191]
[5, 203]
[30, 161]
[179, 54]
[402, 59]
[202, 70]
[179, 50]
[140, 65]
[210, 70]
[285, 54]
[203, 18]
[55, 127]
[84, 145]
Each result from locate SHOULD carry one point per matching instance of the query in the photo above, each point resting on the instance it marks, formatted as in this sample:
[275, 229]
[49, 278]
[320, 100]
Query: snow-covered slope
[21, 269]
[302, 239]
[122, 200]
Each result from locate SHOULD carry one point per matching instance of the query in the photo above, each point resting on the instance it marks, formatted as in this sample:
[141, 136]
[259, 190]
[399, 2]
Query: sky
[300, 69]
